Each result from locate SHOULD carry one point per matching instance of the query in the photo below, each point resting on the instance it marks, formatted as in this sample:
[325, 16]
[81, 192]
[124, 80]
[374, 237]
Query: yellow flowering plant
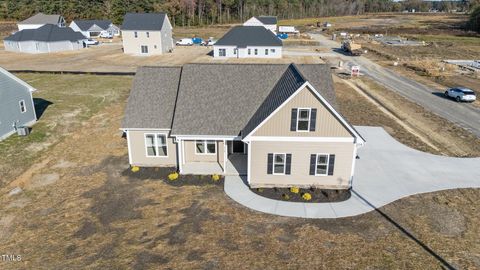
[295, 190]
[215, 177]
[307, 196]
[135, 169]
[173, 176]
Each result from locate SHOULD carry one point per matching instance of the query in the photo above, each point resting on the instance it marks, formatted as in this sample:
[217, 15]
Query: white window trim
[284, 163]
[205, 147]
[24, 106]
[309, 118]
[155, 142]
[316, 164]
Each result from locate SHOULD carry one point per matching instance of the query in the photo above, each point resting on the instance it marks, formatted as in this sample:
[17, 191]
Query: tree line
[207, 12]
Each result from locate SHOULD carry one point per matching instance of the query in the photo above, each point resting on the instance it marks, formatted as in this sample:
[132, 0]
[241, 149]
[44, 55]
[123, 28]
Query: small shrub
[307, 196]
[173, 176]
[295, 190]
[135, 169]
[285, 196]
[215, 177]
[260, 190]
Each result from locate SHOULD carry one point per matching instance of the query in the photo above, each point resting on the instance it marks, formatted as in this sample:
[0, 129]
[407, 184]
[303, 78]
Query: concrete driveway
[386, 171]
[464, 115]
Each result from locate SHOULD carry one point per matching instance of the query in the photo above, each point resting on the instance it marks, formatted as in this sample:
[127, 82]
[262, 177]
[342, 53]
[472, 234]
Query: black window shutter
[270, 164]
[288, 164]
[313, 119]
[293, 124]
[331, 164]
[313, 160]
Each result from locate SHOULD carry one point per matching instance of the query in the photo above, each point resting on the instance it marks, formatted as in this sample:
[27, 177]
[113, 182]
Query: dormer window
[303, 119]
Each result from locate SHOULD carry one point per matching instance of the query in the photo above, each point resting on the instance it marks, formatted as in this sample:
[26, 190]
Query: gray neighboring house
[146, 34]
[46, 39]
[275, 123]
[93, 28]
[38, 20]
[16, 104]
[269, 22]
[248, 42]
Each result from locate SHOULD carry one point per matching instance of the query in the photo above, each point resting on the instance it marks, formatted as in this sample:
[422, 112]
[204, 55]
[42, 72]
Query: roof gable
[144, 21]
[243, 36]
[288, 84]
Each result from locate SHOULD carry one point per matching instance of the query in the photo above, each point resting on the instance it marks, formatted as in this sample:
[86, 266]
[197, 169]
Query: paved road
[463, 114]
[386, 171]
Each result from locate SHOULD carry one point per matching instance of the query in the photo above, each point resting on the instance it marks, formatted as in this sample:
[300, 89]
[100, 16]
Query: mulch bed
[161, 173]
[318, 195]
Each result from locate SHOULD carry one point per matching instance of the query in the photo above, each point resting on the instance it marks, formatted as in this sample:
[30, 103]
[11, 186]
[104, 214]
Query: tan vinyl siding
[326, 123]
[138, 151]
[300, 166]
[132, 44]
[191, 156]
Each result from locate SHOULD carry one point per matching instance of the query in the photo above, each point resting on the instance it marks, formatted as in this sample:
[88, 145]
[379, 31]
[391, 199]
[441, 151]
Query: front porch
[236, 164]
[225, 157]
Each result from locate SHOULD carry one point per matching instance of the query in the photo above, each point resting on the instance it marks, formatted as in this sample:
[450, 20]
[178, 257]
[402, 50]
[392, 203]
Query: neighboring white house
[248, 41]
[93, 28]
[38, 20]
[146, 34]
[269, 22]
[46, 39]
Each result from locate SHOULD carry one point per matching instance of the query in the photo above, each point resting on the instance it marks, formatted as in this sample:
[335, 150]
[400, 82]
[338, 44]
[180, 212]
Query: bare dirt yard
[109, 57]
[81, 207]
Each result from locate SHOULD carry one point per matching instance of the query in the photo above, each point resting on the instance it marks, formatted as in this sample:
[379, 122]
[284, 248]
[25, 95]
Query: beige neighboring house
[38, 20]
[146, 34]
[275, 123]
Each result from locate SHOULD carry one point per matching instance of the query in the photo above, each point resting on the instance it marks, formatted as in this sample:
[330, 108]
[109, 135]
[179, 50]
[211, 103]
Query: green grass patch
[62, 102]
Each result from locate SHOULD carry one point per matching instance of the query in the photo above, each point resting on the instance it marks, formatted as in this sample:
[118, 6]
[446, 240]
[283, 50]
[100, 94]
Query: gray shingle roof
[143, 21]
[41, 18]
[84, 25]
[243, 36]
[47, 33]
[216, 99]
[152, 99]
[267, 19]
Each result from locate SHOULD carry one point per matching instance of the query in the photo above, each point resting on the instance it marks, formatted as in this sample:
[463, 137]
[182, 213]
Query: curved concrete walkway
[386, 171]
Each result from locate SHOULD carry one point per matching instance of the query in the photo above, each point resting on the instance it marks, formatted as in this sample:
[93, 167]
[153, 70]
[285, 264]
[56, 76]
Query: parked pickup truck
[461, 94]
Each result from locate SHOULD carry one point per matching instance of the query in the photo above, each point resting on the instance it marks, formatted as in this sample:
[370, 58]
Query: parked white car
[210, 42]
[461, 94]
[90, 42]
[184, 42]
[106, 34]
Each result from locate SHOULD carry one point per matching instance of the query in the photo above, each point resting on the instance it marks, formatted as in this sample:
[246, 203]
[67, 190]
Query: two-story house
[146, 34]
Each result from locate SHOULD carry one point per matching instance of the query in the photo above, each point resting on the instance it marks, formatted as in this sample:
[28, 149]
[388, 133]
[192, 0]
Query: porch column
[180, 155]
[225, 156]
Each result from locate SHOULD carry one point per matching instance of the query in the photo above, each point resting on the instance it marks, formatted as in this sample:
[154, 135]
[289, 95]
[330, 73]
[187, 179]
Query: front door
[238, 147]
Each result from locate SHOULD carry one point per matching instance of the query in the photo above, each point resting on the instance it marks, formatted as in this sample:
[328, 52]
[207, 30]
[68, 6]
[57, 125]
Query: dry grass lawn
[81, 210]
